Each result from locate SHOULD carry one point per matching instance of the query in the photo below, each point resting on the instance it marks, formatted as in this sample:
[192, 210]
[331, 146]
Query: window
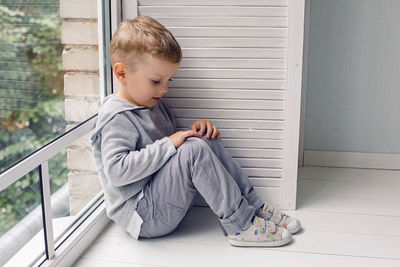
[49, 85]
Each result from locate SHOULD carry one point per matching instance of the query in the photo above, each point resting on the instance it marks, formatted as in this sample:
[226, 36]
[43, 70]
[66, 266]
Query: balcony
[350, 216]
[340, 228]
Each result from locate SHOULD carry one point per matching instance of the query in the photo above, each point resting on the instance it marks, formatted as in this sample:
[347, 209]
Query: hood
[111, 106]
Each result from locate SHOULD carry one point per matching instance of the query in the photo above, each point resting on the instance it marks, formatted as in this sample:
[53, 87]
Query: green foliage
[34, 43]
[45, 52]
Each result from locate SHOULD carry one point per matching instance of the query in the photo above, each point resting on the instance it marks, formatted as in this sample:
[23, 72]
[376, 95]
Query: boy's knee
[212, 142]
[194, 144]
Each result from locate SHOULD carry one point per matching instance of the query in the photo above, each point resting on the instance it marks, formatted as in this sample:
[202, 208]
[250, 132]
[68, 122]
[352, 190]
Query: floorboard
[350, 217]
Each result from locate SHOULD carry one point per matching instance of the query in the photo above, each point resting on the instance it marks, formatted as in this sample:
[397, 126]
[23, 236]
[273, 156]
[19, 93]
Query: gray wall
[353, 92]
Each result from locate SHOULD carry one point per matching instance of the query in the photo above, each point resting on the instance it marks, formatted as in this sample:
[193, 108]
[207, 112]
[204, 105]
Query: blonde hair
[134, 38]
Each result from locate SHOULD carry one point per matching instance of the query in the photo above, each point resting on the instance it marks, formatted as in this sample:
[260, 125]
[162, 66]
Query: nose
[164, 89]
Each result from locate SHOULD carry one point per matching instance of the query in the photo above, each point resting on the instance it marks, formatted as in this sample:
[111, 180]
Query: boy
[150, 173]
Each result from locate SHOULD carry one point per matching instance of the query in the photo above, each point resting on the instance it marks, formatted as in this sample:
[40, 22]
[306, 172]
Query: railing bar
[30, 162]
[47, 215]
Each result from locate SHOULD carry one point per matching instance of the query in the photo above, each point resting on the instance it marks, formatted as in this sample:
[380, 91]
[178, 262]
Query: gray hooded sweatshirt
[130, 144]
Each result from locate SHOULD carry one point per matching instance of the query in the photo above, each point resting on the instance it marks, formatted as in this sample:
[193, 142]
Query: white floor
[350, 217]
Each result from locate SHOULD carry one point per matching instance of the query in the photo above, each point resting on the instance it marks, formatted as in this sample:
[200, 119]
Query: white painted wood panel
[213, 11]
[237, 124]
[228, 113]
[262, 172]
[227, 93]
[228, 83]
[255, 153]
[224, 21]
[214, 3]
[251, 133]
[265, 182]
[212, 62]
[233, 73]
[225, 103]
[226, 42]
[258, 53]
[253, 143]
[259, 163]
[227, 32]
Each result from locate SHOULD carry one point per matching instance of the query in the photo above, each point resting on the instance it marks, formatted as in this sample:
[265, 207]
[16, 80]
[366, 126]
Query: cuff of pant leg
[254, 200]
[240, 218]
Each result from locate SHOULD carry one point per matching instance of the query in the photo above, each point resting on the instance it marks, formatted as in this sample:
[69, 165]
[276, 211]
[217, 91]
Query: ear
[120, 71]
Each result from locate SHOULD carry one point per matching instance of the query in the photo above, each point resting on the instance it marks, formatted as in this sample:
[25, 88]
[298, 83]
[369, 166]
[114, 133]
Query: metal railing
[40, 159]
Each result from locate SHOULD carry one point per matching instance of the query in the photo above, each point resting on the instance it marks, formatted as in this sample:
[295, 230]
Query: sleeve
[123, 164]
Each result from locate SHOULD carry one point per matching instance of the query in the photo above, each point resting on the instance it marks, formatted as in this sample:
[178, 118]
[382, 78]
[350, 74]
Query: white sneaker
[279, 218]
[261, 233]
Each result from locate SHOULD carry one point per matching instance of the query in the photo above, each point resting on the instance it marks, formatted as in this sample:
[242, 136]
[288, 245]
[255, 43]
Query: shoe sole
[238, 243]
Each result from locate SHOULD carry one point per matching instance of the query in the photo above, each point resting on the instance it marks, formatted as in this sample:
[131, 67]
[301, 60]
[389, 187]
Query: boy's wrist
[171, 143]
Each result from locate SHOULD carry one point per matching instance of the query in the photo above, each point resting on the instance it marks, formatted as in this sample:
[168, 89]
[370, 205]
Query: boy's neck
[120, 94]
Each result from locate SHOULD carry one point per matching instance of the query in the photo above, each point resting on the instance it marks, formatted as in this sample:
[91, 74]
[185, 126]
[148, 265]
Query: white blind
[233, 73]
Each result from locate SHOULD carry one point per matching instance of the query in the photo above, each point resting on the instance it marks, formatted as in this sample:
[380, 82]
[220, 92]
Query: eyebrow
[160, 76]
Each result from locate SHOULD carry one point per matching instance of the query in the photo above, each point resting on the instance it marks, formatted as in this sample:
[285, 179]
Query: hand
[203, 125]
[179, 137]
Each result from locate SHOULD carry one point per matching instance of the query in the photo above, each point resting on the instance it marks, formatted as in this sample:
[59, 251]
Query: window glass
[49, 83]
[21, 225]
[73, 184]
[45, 83]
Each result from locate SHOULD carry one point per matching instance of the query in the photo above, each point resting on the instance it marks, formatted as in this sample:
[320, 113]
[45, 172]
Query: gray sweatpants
[200, 165]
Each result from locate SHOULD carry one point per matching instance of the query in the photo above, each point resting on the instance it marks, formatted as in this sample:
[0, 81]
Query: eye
[155, 82]
[170, 80]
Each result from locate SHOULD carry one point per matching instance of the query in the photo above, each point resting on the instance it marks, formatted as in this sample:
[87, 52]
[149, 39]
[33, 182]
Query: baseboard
[352, 160]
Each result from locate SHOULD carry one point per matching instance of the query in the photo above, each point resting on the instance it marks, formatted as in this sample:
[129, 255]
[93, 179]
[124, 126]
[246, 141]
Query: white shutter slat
[262, 172]
[252, 143]
[225, 103]
[231, 73]
[227, 83]
[253, 133]
[265, 182]
[226, 93]
[223, 21]
[233, 42]
[227, 32]
[255, 153]
[213, 2]
[259, 163]
[246, 133]
[228, 114]
[258, 53]
[233, 63]
[237, 124]
[212, 11]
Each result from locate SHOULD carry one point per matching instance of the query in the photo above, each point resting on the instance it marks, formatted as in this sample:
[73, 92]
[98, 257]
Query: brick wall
[81, 90]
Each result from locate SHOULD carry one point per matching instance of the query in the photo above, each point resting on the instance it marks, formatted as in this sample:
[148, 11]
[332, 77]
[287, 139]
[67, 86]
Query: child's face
[149, 82]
